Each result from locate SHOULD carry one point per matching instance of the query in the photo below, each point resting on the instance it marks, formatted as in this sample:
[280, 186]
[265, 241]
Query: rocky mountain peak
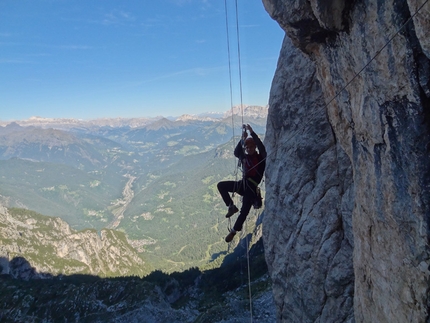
[248, 111]
[87, 252]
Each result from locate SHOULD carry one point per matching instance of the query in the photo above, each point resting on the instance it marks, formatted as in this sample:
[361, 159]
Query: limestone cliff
[34, 246]
[348, 171]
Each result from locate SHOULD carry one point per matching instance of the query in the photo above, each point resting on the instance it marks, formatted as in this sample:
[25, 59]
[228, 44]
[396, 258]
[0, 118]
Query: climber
[253, 165]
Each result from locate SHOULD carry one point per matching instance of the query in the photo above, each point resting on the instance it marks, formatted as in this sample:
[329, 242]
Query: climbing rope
[249, 276]
[229, 68]
[239, 60]
[229, 227]
[233, 125]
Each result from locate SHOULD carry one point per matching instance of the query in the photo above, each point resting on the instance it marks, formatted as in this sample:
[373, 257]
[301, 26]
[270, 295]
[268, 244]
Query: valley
[120, 206]
[155, 181]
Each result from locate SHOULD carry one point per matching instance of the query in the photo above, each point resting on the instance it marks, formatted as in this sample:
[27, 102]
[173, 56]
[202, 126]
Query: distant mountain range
[69, 123]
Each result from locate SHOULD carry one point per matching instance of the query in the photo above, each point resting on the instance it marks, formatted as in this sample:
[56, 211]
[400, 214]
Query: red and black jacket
[253, 166]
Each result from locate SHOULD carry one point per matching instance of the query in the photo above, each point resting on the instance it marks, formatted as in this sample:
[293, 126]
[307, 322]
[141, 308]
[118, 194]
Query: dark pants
[248, 193]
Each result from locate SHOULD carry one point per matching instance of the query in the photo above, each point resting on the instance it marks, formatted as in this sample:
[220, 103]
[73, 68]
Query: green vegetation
[171, 213]
[155, 190]
[91, 298]
[59, 190]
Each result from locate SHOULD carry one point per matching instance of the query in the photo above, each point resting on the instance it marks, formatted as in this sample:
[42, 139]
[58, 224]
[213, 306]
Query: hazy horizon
[201, 114]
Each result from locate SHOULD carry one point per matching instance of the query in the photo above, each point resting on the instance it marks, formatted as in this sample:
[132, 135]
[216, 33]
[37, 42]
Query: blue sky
[137, 58]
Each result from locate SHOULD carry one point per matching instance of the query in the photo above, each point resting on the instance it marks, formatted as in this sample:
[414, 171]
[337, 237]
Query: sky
[89, 59]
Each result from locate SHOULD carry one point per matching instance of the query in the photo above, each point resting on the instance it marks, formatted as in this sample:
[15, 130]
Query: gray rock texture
[35, 246]
[346, 229]
[307, 225]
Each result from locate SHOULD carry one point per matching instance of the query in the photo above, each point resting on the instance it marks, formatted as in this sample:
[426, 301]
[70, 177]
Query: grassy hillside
[181, 215]
[80, 198]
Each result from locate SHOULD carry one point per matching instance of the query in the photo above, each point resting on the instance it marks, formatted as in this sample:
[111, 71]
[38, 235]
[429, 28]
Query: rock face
[307, 225]
[347, 219]
[35, 246]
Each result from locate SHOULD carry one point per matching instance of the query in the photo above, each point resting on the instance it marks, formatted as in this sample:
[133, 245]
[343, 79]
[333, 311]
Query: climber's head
[250, 146]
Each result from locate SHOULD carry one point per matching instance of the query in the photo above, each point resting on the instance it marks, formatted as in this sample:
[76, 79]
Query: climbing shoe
[230, 236]
[232, 209]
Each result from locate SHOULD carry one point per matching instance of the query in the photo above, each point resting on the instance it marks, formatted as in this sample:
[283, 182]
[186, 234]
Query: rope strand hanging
[229, 67]
[239, 60]
[229, 227]
[232, 116]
